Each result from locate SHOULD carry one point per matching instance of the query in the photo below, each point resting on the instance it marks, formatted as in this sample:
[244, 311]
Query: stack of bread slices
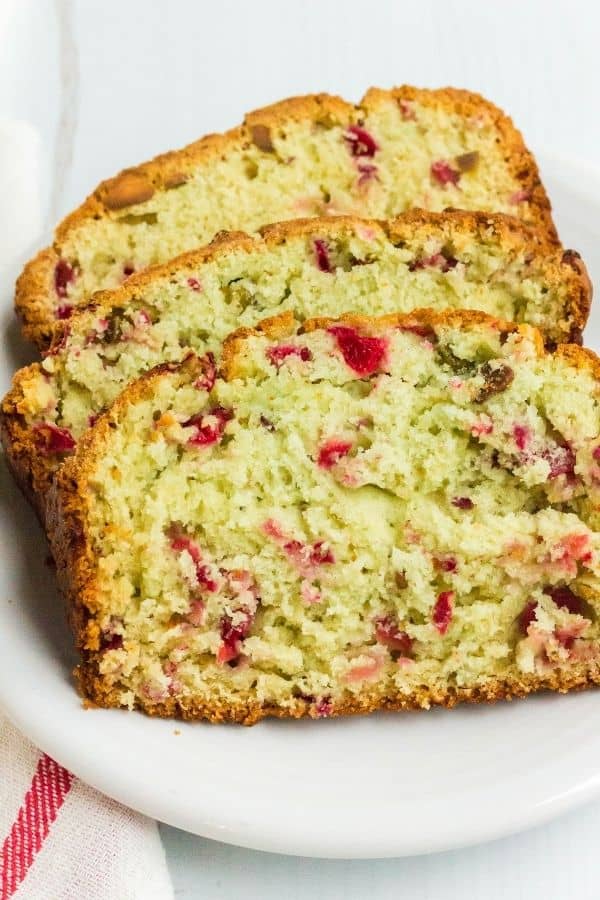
[340, 454]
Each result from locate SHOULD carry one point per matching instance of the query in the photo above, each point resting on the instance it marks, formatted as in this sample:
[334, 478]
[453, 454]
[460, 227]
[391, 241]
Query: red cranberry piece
[332, 451]
[364, 355]
[232, 637]
[128, 270]
[112, 642]
[324, 707]
[207, 431]
[527, 616]
[205, 579]
[65, 311]
[322, 255]
[367, 172]
[596, 453]
[521, 434]
[64, 274]
[437, 261]
[194, 284]
[560, 459]
[360, 141]
[321, 554]
[462, 502]
[442, 611]
[206, 381]
[566, 599]
[445, 563]
[181, 542]
[388, 633]
[52, 439]
[276, 355]
[443, 173]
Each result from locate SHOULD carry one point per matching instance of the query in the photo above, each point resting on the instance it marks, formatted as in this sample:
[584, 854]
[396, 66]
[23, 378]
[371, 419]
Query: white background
[107, 83]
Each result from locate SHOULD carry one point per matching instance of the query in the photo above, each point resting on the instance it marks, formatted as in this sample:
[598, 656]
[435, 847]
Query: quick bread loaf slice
[359, 514]
[312, 155]
[314, 267]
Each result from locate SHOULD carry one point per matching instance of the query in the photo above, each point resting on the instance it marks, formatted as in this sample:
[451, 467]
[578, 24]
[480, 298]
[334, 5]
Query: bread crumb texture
[358, 514]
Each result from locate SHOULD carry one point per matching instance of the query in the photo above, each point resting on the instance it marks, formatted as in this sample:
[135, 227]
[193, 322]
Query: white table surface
[108, 83]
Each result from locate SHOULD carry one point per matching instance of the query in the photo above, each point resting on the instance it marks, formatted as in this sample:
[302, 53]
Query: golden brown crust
[248, 711]
[69, 500]
[34, 471]
[33, 298]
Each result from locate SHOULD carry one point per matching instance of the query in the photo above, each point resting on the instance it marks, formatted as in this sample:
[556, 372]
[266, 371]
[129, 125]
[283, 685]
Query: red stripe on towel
[49, 787]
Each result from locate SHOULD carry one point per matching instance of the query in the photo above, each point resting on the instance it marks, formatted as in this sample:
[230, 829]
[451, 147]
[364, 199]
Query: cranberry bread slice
[310, 155]
[315, 267]
[359, 514]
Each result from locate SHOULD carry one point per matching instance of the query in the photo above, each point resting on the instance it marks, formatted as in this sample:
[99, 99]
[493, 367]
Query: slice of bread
[314, 267]
[311, 155]
[360, 514]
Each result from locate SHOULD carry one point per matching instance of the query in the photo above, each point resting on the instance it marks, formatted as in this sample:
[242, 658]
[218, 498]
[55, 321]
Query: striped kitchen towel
[61, 840]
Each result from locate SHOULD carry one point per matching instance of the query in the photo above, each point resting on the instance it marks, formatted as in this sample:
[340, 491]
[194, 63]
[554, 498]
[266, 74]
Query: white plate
[385, 785]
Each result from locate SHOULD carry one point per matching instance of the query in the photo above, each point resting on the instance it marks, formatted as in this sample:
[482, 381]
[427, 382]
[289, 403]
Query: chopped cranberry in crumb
[573, 548]
[112, 642]
[332, 451]
[527, 616]
[388, 633]
[64, 274]
[481, 427]
[322, 255]
[442, 611]
[305, 556]
[360, 141]
[364, 355]
[128, 270]
[52, 439]
[519, 197]
[309, 593]
[561, 460]
[209, 426]
[522, 436]
[367, 173]
[194, 284]
[437, 261]
[205, 579]
[206, 381]
[566, 599]
[277, 355]
[181, 543]
[321, 554]
[367, 670]
[65, 311]
[462, 502]
[324, 707]
[232, 637]
[445, 563]
[443, 173]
